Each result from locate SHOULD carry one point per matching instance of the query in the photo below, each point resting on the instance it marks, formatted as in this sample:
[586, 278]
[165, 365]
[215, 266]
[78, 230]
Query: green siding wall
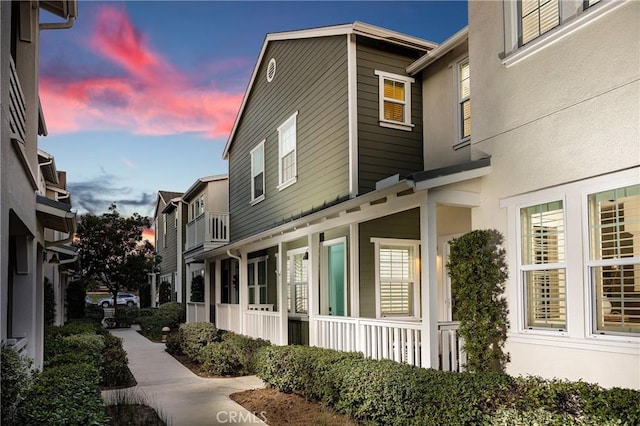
[404, 225]
[384, 152]
[169, 253]
[311, 78]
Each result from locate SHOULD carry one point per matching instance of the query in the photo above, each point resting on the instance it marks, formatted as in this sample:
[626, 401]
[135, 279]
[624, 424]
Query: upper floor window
[589, 3]
[397, 284]
[537, 17]
[287, 141]
[464, 101]
[395, 100]
[543, 265]
[257, 173]
[196, 208]
[614, 259]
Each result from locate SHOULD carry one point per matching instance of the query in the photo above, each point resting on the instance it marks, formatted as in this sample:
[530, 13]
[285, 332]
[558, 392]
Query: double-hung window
[543, 266]
[197, 207]
[614, 259]
[394, 100]
[397, 282]
[287, 141]
[257, 280]
[537, 17]
[297, 282]
[464, 101]
[257, 173]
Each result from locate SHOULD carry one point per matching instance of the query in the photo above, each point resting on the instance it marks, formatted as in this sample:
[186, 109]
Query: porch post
[428, 241]
[314, 280]
[217, 287]
[207, 291]
[354, 269]
[283, 315]
[243, 282]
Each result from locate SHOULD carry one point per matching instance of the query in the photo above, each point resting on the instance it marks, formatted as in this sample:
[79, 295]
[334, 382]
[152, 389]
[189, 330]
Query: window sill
[257, 200]
[624, 345]
[396, 125]
[287, 184]
[565, 29]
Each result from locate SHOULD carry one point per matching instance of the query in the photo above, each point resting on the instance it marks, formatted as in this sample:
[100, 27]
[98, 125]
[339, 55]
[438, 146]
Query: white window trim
[256, 200]
[415, 244]
[522, 268]
[579, 332]
[568, 25]
[406, 125]
[282, 184]
[256, 287]
[195, 206]
[292, 302]
[324, 280]
[458, 140]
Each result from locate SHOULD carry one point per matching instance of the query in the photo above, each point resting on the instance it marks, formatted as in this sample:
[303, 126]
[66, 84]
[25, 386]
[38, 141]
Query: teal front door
[336, 278]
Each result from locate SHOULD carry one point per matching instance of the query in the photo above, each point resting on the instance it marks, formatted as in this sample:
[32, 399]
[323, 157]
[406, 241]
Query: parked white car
[127, 299]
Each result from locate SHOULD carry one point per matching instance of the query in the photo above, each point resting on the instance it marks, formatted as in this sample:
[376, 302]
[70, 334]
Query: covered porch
[365, 275]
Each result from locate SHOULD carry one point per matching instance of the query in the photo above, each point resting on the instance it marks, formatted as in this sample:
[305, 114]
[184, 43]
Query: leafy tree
[111, 250]
[478, 272]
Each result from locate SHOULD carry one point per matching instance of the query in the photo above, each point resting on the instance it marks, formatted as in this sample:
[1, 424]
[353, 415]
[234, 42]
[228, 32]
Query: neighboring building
[25, 210]
[169, 219]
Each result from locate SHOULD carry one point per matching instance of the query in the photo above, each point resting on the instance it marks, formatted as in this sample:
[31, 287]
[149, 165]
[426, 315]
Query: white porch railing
[389, 339]
[209, 227]
[262, 324]
[17, 105]
[196, 312]
[452, 356]
[19, 344]
[228, 317]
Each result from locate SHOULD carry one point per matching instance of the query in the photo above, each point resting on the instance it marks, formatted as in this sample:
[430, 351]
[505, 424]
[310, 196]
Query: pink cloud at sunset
[152, 98]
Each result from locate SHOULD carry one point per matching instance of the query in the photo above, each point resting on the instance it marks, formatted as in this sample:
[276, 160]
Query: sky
[140, 96]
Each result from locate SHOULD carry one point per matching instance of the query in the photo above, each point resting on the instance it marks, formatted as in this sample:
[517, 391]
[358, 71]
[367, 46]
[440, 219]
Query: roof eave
[449, 44]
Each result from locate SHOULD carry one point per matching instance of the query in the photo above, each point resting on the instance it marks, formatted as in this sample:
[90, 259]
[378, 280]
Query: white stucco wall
[566, 113]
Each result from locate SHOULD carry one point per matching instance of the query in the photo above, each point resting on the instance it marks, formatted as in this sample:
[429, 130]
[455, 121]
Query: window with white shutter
[537, 17]
[397, 277]
[287, 141]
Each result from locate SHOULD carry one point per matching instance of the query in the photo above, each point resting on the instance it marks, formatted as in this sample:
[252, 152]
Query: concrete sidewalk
[184, 398]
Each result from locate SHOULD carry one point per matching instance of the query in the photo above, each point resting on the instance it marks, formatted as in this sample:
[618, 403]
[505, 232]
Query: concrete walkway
[183, 398]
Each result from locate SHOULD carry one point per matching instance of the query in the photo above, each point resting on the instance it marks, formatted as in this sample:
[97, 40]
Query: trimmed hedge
[64, 395]
[170, 315]
[390, 393]
[16, 378]
[115, 370]
[235, 355]
[196, 335]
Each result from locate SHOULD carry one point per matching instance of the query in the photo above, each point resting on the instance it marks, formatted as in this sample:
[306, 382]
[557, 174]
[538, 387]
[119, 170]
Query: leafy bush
[234, 355]
[391, 393]
[478, 271]
[115, 370]
[174, 344]
[75, 299]
[49, 302]
[170, 315]
[194, 336]
[16, 378]
[94, 312]
[175, 312]
[66, 395]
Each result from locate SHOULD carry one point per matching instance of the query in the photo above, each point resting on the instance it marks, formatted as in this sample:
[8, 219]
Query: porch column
[283, 316]
[313, 283]
[428, 278]
[217, 287]
[243, 282]
[354, 271]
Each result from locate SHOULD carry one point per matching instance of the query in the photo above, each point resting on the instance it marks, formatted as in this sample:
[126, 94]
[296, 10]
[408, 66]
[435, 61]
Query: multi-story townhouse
[169, 219]
[25, 210]
[556, 104]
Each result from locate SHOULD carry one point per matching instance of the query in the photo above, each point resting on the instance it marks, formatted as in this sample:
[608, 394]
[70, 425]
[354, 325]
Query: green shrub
[219, 359]
[115, 370]
[49, 302]
[94, 312]
[246, 349]
[175, 312]
[75, 298]
[146, 312]
[16, 379]
[194, 336]
[65, 395]
[170, 315]
[173, 344]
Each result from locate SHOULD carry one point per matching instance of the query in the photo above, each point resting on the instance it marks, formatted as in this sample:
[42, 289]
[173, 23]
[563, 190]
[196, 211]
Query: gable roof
[449, 44]
[199, 184]
[166, 197]
[358, 28]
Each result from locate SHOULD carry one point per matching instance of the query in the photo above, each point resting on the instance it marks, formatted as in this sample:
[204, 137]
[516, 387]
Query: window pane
[396, 265]
[258, 185]
[394, 90]
[617, 290]
[289, 167]
[465, 87]
[614, 222]
[543, 234]
[288, 138]
[393, 111]
[546, 298]
[465, 115]
[396, 298]
[538, 17]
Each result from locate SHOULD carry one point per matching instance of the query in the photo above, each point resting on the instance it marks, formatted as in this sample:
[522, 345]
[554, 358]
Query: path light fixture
[165, 332]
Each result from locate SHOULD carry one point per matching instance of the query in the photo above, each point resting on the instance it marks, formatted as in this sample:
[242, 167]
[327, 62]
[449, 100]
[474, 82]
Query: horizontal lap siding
[383, 152]
[311, 78]
[168, 253]
[404, 225]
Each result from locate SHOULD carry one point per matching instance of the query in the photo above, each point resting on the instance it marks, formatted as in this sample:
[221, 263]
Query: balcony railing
[17, 106]
[209, 227]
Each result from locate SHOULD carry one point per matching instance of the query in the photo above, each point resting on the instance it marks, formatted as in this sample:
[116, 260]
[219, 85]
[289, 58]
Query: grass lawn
[97, 295]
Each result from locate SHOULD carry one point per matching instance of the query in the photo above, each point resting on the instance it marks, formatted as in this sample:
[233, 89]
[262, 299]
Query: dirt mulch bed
[278, 408]
[196, 367]
[133, 415]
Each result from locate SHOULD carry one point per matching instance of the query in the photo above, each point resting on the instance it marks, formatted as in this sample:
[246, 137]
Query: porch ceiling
[55, 215]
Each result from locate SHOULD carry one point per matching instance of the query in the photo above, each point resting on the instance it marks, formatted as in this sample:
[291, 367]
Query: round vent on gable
[271, 70]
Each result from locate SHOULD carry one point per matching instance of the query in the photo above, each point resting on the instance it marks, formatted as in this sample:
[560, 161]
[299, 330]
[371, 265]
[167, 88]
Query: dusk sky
[140, 96]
